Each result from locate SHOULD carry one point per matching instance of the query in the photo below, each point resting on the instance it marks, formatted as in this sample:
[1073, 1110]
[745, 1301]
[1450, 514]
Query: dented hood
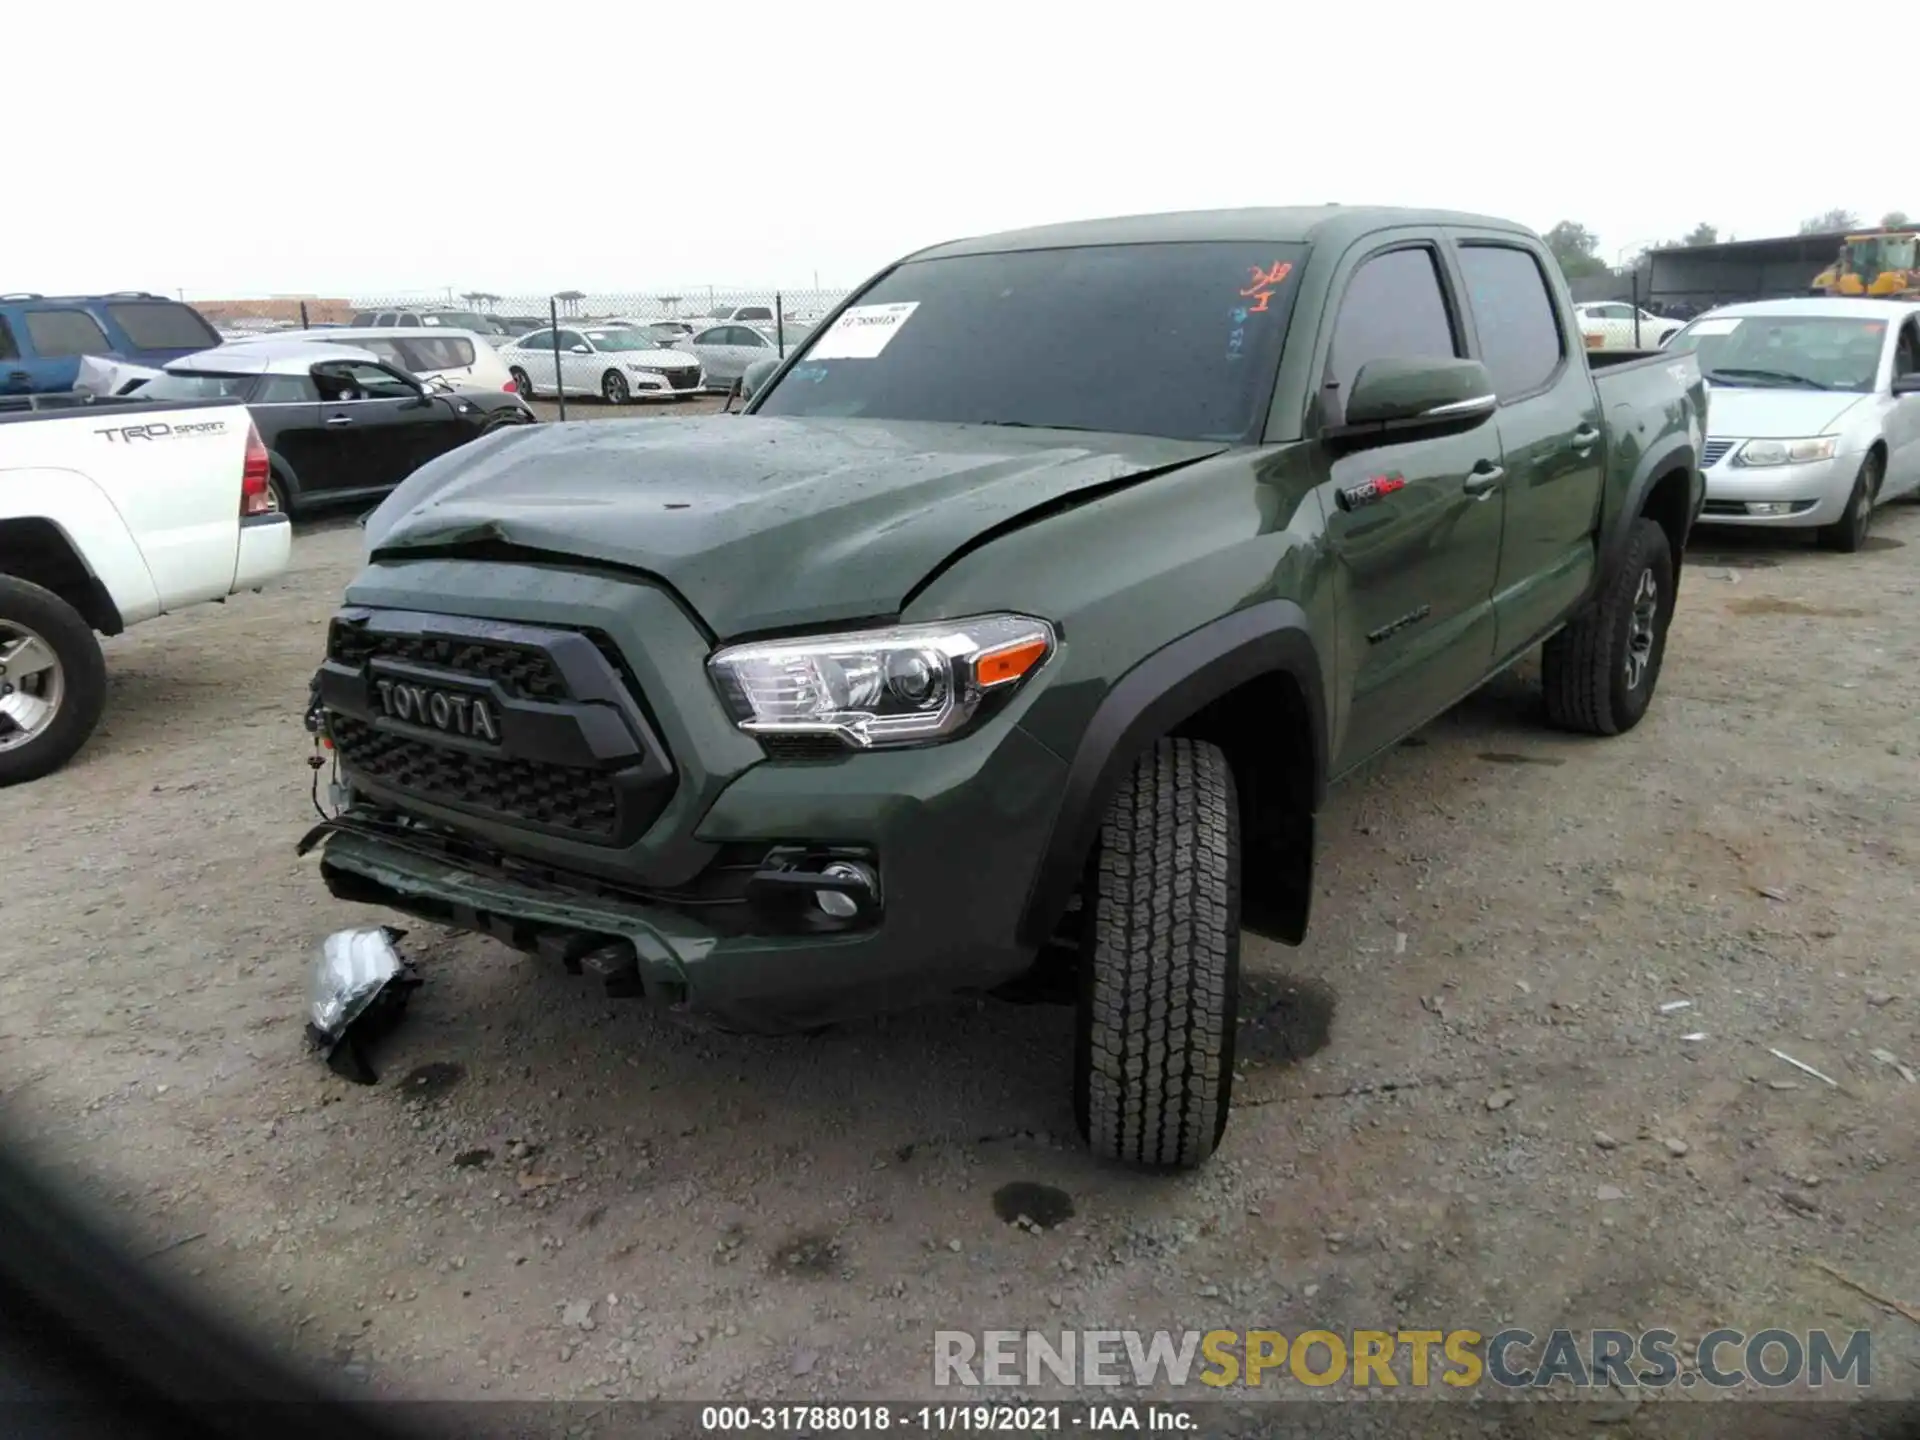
[758, 523]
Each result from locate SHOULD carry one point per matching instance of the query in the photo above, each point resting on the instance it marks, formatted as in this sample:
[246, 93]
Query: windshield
[1793, 352]
[622, 340]
[1180, 340]
[196, 385]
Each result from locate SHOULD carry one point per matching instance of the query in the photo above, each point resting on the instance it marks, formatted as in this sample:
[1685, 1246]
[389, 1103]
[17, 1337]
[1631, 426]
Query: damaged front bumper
[762, 981]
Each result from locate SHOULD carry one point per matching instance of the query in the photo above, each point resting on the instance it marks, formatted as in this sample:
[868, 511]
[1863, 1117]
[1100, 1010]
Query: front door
[580, 373]
[1902, 425]
[1414, 526]
[1549, 423]
[371, 413]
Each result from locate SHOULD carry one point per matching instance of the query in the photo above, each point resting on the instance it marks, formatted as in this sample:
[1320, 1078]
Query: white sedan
[616, 363]
[725, 351]
[1608, 325]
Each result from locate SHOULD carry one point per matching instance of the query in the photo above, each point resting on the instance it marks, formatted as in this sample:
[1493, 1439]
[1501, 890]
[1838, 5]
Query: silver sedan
[1814, 417]
[725, 351]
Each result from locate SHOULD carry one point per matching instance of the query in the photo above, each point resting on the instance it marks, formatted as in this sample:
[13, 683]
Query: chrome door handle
[1585, 438]
[339, 420]
[1482, 482]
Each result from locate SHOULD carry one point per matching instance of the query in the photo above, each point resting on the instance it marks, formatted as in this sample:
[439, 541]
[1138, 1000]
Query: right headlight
[1766, 453]
[903, 685]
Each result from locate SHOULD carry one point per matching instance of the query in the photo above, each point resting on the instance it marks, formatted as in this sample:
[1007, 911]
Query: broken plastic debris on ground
[357, 988]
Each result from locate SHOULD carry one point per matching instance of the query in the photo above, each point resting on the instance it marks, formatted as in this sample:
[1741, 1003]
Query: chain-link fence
[775, 310]
[570, 343]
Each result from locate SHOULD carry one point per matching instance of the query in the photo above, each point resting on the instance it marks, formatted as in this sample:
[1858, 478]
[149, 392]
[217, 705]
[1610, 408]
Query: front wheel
[1600, 671]
[613, 388]
[53, 681]
[522, 383]
[1160, 972]
[1849, 533]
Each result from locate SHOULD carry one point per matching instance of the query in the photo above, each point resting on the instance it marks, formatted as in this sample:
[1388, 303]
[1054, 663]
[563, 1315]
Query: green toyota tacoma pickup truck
[1011, 635]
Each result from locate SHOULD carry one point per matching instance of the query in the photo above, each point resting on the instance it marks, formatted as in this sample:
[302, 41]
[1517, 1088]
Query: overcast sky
[355, 150]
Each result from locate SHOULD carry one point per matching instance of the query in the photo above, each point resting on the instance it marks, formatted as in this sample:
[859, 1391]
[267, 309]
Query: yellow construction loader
[1878, 265]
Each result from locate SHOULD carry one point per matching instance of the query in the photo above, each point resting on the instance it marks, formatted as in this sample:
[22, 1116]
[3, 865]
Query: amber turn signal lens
[1009, 662]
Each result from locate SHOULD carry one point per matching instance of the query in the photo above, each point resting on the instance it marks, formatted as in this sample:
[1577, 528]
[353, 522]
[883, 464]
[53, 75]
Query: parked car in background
[744, 314]
[42, 337]
[614, 362]
[111, 513]
[339, 423]
[725, 351]
[1815, 418]
[458, 358]
[1609, 325]
[471, 320]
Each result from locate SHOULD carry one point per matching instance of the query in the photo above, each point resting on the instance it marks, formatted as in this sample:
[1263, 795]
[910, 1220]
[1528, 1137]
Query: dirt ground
[1460, 1103]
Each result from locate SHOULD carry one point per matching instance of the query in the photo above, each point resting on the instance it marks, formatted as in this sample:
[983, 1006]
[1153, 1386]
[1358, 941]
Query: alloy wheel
[32, 685]
[1642, 623]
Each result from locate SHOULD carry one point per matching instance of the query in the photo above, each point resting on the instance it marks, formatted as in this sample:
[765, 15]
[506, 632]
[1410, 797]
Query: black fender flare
[1653, 465]
[1170, 685]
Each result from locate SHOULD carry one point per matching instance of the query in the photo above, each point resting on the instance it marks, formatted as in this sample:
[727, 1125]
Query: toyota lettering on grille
[448, 710]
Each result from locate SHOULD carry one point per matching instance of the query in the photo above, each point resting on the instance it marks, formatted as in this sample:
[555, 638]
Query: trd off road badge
[1352, 497]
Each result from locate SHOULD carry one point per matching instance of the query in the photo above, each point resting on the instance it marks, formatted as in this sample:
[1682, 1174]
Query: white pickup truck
[113, 512]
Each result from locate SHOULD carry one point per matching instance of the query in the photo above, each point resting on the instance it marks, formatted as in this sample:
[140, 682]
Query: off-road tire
[84, 673]
[1849, 533]
[1585, 667]
[1160, 969]
[522, 383]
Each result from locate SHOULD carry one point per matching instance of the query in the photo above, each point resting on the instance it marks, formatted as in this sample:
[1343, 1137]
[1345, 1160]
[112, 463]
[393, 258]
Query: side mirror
[1907, 384]
[755, 377]
[1392, 397]
[582, 349]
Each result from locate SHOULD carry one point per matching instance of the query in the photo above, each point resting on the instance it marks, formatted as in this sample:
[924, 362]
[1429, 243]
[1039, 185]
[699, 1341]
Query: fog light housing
[1769, 507]
[843, 904]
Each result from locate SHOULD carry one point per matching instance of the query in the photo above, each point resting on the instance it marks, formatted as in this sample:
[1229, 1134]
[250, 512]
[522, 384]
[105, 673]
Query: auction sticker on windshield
[862, 332]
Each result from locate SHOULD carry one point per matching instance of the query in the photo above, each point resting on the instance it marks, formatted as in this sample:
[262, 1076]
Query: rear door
[534, 354]
[1414, 526]
[55, 338]
[580, 372]
[1549, 423]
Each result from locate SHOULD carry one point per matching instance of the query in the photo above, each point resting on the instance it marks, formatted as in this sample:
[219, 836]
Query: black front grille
[521, 670]
[684, 379]
[560, 798]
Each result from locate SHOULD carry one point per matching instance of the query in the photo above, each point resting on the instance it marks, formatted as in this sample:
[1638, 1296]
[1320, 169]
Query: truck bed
[62, 404]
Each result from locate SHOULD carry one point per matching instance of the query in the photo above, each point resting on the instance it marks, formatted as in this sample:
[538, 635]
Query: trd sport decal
[1366, 492]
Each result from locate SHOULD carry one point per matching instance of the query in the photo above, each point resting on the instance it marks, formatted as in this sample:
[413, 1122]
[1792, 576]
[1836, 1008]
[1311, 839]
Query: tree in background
[1576, 248]
[1701, 234]
[1895, 220]
[1830, 221]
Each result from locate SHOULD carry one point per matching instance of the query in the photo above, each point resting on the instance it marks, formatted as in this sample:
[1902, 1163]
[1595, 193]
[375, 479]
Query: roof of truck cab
[1334, 224]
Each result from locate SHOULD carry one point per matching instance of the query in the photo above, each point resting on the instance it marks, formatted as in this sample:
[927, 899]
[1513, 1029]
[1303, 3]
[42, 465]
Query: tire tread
[1159, 994]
